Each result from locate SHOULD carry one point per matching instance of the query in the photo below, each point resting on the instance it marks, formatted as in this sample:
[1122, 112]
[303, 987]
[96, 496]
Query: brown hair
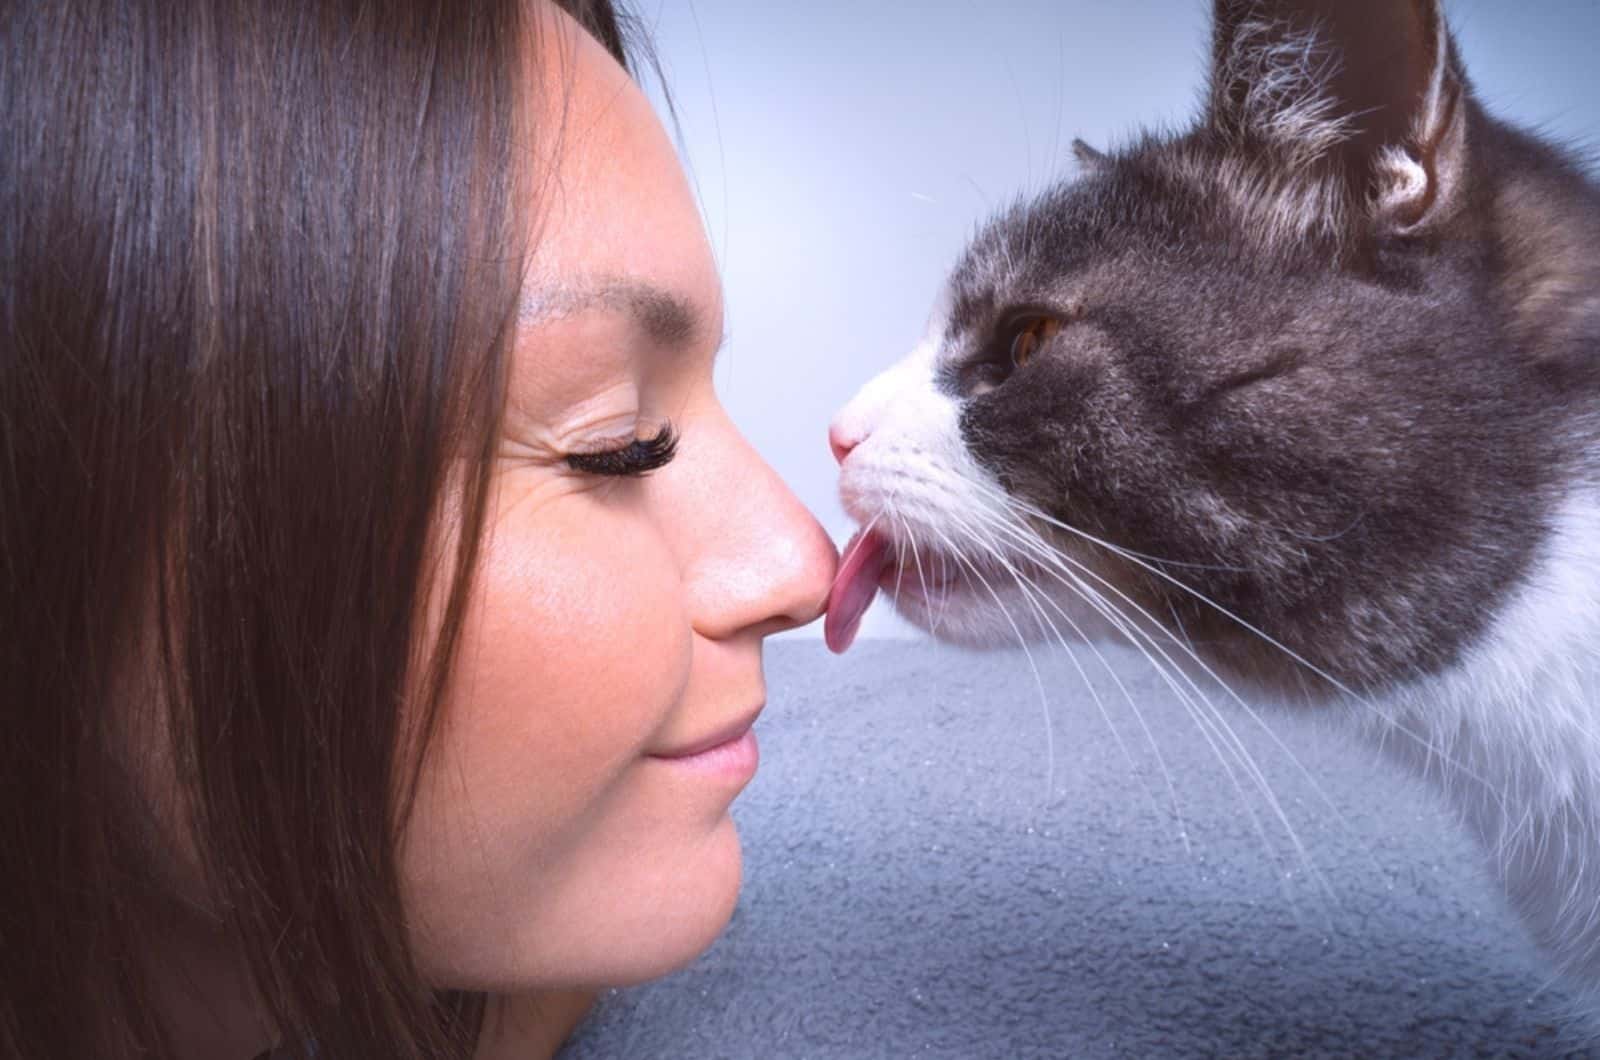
[260, 263]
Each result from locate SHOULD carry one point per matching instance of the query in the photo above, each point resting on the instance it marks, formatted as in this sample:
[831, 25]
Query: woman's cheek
[575, 651]
[580, 646]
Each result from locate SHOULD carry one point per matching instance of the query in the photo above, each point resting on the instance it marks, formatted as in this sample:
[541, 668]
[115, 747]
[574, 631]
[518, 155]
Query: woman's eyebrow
[666, 317]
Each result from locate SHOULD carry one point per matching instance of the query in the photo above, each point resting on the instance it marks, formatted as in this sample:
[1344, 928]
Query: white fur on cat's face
[966, 566]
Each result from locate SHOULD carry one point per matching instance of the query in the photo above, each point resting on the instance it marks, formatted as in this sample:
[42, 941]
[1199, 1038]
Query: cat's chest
[1510, 735]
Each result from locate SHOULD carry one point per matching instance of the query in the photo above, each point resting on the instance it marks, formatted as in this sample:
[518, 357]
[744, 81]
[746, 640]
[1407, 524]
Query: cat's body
[1312, 390]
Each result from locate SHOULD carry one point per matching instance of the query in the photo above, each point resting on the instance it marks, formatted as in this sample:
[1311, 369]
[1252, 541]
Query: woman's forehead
[616, 226]
[665, 317]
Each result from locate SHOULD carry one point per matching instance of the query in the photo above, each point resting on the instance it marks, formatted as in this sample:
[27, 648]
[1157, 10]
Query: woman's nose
[770, 564]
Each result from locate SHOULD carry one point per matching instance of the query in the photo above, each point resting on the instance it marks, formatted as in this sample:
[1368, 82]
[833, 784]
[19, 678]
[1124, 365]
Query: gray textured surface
[911, 890]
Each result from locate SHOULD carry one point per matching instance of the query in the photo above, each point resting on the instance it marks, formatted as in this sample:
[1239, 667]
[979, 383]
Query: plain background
[844, 151]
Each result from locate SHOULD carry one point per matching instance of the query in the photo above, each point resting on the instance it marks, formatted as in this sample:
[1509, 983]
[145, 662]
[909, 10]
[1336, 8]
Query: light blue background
[844, 150]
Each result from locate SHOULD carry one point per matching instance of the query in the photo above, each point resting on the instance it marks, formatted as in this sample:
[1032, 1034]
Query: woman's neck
[531, 1026]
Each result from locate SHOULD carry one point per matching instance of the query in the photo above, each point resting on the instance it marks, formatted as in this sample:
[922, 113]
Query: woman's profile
[382, 586]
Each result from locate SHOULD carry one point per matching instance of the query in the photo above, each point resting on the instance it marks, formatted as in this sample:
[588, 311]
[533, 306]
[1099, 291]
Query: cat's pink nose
[841, 440]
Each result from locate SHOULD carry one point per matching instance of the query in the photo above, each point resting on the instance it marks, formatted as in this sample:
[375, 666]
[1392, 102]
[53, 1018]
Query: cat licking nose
[1304, 399]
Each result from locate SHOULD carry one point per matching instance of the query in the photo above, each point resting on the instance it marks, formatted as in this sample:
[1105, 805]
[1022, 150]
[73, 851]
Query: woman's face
[572, 824]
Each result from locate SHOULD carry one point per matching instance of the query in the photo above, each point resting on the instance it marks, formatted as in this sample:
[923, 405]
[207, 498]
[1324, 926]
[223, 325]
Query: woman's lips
[731, 749]
[737, 755]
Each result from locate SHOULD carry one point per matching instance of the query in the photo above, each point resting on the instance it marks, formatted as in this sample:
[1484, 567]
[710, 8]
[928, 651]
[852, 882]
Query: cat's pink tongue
[859, 573]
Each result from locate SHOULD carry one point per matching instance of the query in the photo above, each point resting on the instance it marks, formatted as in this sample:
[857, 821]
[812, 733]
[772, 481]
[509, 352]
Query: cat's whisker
[899, 552]
[1199, 710]
[1212, 724]
[1022, 641]
[1254, 715]
[1208, 719]
[1036, 593]
[1163, 561]
[1051, 558]
[1032, 512]
[944, 587]
[917, 559]
[1140, 561]
[1030, 592]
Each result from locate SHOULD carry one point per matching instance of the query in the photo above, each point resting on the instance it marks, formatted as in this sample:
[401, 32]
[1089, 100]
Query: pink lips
[731, 752]
[865, 559]
[719, 739]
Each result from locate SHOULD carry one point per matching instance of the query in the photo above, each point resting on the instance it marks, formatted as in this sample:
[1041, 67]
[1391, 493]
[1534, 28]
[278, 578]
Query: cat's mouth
[873, 561]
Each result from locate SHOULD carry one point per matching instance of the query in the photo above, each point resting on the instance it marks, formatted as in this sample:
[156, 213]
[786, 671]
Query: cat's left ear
[1371, 88]
[1089, 159]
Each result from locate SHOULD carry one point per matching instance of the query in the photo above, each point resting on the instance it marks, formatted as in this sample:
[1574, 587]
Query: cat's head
[1267, 373]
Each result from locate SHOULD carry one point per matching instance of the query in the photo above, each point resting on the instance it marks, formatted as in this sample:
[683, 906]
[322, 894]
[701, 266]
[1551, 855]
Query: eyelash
[632, 459]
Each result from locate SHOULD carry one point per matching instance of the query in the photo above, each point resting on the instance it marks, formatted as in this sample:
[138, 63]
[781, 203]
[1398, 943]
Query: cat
[1306, 397]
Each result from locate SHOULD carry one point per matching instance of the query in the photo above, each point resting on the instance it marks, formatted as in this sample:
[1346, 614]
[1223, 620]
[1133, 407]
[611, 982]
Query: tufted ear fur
[1089, 159]
[1364, 91]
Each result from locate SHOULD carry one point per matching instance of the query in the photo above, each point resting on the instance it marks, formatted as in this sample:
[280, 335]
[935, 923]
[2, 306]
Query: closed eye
[631, 458]
[1280, 363]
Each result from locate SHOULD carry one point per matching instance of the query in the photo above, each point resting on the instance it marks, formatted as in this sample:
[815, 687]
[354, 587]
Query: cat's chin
[1003, 615]
[965, 633]
[1259, 674]
[993, 614]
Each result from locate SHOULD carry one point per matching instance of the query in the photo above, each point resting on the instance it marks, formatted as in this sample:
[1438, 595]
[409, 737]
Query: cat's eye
[1016, 342]
[1030, 334]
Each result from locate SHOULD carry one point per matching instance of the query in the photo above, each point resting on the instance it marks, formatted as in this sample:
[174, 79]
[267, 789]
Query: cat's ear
[1089, 159]
[1368, 90]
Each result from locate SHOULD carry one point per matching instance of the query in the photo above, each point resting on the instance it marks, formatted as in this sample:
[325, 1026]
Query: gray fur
[1332, 356]
[1320, 377]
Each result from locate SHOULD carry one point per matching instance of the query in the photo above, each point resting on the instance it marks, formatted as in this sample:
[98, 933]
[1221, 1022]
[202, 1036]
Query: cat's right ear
[1367, 91]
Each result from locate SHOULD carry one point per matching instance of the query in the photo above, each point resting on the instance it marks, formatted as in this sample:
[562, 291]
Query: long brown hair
[258, 267]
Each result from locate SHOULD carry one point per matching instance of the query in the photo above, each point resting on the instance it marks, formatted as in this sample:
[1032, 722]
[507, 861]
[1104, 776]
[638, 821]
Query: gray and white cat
[1307, 396]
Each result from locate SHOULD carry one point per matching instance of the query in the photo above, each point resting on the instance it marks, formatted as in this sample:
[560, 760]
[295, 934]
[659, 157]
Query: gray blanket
[943, 861]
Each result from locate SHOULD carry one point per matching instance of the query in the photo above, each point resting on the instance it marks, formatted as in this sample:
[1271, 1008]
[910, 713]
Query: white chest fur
[1512, 736]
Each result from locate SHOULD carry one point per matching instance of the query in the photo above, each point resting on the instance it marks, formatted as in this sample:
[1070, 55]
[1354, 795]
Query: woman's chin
[692, 913]
[650, 917]
[690, 904]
